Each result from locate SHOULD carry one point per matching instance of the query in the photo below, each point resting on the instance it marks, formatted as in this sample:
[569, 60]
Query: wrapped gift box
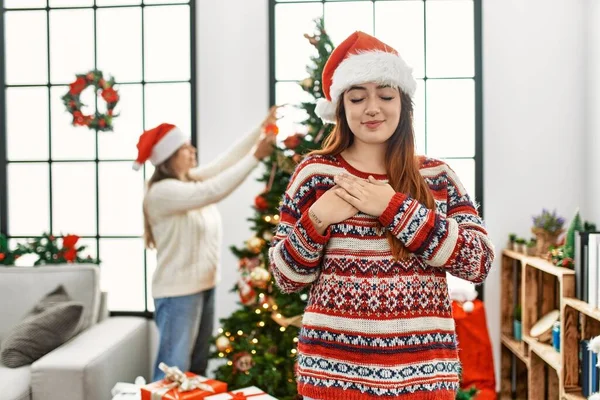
[169, 390]
[249, 393]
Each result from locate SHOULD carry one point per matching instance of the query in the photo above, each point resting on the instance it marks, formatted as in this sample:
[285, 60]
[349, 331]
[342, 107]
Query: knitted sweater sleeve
[225, 160]
[172, 196]
[457, 242]
[297, 248]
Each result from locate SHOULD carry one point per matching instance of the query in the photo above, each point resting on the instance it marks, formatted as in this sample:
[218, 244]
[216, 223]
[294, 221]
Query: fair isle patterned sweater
[374, 327]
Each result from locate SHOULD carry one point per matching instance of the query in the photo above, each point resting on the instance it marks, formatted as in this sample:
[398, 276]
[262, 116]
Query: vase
[545, 240]
[517, 330]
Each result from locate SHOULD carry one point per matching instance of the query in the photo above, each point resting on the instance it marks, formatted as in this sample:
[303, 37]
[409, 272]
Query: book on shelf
[589, 377]
[587, 267]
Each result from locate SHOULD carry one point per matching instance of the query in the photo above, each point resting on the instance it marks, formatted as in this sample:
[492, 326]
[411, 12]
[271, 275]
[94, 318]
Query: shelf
[582, 307]
[515, 347]
[545, 352]
[539, 263]
[515, 254]
[573, 394]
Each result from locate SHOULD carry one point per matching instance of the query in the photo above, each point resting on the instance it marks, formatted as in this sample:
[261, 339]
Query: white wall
[233, 73]
[534, 120]
[593, 111]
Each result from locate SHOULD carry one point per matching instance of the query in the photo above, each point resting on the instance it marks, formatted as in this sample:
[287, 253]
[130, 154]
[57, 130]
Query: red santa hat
[158, 144]
[361, 58]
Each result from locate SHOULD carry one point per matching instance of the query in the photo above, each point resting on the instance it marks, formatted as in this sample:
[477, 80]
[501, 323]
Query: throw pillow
[52, 322]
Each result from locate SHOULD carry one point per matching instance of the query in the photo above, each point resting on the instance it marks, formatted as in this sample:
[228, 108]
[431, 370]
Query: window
[64, 179]
[440, 39]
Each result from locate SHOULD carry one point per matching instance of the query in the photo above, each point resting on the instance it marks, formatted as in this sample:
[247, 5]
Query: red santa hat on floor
[158, 144]
[361, 58]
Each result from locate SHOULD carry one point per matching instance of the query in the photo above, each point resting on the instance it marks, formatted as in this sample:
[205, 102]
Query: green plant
[589, 227]
[548, 221]
[512, 237]
[50, 250]
[517, 313]
[520, 241]
[532, 242]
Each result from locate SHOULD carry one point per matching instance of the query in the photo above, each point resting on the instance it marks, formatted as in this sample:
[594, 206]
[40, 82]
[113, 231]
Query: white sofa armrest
[88, 366]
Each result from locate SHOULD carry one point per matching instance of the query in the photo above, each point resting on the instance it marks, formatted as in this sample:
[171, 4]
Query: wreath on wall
[98, 121]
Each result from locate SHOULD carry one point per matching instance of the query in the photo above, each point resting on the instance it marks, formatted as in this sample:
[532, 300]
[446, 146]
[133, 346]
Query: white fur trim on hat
[167, 145]
[136, 166]
[372, 66]
[325, 110]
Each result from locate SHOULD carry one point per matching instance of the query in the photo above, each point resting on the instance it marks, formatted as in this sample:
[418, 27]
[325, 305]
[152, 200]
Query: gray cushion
[52, 322]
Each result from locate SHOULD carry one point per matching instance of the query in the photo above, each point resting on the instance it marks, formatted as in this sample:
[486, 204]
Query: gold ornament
[223, 343]
[260, 277]
[268, 236]
[255, 244]
[307, 83]
[285, 163]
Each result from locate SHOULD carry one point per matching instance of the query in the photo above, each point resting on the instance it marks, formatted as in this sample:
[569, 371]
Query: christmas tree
[259, 339]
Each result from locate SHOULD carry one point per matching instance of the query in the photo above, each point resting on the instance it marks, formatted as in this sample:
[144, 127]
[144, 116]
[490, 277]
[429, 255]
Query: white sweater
[186, 223]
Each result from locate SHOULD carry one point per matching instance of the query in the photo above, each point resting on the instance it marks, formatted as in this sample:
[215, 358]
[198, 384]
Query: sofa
[106, 350]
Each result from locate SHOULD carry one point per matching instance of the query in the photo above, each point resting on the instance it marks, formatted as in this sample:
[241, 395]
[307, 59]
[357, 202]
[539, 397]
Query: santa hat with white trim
[158, 144]
[361, 58]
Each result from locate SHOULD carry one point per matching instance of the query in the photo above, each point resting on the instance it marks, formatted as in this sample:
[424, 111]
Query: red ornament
[261, 203]
[291, 142]
[246, 292]
[2, 256]
[69, 241]
[271, 129]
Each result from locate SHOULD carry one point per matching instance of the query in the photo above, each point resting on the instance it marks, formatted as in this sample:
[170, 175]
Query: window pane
[400, 24]
[26, 30]
[291, 93]
[101, 3]
[68, 141]
[293, 50]
[71, 44]
[127, 127]
[119, 41]
[150, 268]
[341, 19]
[465, 170]
[71, 3]
[164, 1]
[167, 50]
[451, 118]
[27, 137]
[122, 264]
[161, 107]
[297, 1]
[24, 4]
[450, 39]
[121, 194]
[419, 116]
[74, 198]
[28, 199]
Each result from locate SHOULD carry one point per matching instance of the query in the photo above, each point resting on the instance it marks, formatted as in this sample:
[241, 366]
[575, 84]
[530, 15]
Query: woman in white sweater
[183, 224]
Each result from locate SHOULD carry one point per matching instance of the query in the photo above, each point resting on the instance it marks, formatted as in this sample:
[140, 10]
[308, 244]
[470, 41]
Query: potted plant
[517, 323]
[531, 247]
[547, 227]
[512, 237]
[521, 245]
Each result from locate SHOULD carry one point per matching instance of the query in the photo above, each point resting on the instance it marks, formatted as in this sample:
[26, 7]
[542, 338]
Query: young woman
[183, 224]
[374, 229]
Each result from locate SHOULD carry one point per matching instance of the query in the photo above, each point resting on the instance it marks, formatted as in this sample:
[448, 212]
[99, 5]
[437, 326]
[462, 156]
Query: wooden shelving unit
[532, 369]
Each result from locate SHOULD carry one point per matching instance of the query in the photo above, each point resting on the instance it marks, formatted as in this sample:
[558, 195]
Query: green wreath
[98, 121]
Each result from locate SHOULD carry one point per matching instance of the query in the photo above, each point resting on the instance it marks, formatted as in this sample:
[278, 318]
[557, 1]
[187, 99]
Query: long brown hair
[163, 171]
[401, 162]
